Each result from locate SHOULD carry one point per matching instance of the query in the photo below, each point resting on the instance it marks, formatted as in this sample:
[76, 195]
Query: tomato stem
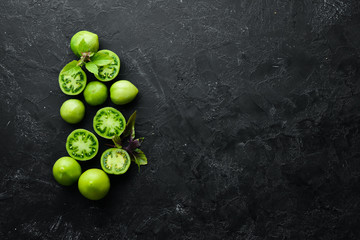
[86, 56]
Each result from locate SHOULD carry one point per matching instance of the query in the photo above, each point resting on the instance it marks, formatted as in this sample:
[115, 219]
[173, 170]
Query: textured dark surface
[250, 111]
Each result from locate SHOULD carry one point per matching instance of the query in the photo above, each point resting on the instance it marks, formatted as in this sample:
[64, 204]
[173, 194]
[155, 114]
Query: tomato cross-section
[110, 71]
[115, 161]
[109, 122]
[82, 145]
[74, 83]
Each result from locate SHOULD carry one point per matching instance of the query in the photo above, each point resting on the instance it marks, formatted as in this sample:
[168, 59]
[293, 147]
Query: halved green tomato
[82, 145]
[109, 122]
[74, 83]
[110, 71]
[115, 161]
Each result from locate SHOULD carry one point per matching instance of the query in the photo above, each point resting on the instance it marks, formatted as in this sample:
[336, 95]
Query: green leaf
[69, 66]
[83, 46]
[130, 127]
[101, 59]
[91, 67]
[117, 141]
[140, 156]
[73, 71]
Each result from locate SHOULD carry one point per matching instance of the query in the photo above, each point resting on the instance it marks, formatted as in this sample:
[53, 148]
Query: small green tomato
[91, 40]
[123, 92]
[66, 171]
[95, 93]
[94, 184]
[72, 111]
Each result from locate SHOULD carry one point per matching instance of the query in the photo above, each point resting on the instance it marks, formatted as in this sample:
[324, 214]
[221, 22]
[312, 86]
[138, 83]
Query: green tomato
[82, 145]
[123, 92]
[109, 122]
[66, 171]
[72, 111]
[110, 71]
[94, 184]
[115, 161]
[74, 83]
[95, 93]
[91, 40]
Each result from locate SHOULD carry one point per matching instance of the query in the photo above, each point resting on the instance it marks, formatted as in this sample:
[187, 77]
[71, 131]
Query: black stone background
[250, 111]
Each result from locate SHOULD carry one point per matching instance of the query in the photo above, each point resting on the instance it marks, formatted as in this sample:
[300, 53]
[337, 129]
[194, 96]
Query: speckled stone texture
[250, 111]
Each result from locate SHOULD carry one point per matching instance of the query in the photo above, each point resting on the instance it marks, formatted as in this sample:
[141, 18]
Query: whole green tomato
[95, 93]
[66, 171]
[91, 40]
[94, 184]
[123, 92]
[72, 111]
